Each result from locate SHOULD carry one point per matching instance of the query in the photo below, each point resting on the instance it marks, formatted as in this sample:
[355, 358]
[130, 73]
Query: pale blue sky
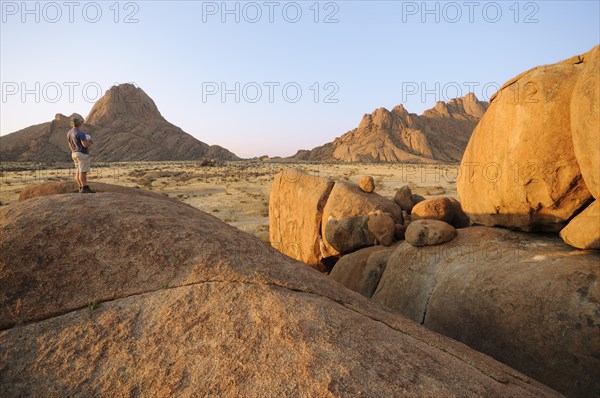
[377, 54]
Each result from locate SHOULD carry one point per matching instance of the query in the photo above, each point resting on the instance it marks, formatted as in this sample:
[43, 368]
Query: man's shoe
[87, 189]
[78, 190]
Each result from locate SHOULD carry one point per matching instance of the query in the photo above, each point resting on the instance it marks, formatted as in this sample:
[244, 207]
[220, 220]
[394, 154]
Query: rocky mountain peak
[122, 101]
[400, 110]
[467, 107]
[126, 125]
[440, 134]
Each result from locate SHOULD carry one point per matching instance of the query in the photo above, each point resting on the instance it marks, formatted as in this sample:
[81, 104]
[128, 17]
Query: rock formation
[529, 300]
[126, 126]
[440, 134]
[520, 169]
[305, 211]
[162, 299]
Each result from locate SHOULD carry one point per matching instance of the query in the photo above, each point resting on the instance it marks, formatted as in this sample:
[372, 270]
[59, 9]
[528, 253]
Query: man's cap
[76, 120]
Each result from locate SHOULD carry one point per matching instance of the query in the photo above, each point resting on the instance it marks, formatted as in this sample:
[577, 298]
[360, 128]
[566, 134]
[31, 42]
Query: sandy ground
[235, 192]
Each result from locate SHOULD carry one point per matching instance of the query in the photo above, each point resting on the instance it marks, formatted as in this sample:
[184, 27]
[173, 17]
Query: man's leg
[77, 167]
[85, 165]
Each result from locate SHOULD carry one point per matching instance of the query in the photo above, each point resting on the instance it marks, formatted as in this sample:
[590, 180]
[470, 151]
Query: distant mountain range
[440, 134]
[125, 125]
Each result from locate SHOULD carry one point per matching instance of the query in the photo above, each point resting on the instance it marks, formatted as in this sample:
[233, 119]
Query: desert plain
[237, 192]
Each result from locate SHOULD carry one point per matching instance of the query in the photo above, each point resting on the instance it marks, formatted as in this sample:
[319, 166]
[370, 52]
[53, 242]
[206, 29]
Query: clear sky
[272, 77]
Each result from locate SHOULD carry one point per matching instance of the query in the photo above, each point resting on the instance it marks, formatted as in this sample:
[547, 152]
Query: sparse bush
[92, 305]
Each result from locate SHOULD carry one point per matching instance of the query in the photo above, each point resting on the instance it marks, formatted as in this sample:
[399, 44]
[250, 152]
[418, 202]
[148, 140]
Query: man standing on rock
[79, 143]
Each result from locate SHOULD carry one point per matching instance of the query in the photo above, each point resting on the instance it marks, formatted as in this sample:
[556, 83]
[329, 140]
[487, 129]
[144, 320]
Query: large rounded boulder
[520, 169]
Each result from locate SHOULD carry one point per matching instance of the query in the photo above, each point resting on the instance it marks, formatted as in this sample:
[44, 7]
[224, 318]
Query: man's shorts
[83, 161]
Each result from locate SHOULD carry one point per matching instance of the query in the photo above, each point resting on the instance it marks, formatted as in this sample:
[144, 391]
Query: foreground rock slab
[64, 187]
[532, 302]
[166, 300]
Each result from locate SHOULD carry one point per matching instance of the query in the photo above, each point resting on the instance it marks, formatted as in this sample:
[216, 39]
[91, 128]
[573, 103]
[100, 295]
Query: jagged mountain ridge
[440, 134]
[126, 125]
